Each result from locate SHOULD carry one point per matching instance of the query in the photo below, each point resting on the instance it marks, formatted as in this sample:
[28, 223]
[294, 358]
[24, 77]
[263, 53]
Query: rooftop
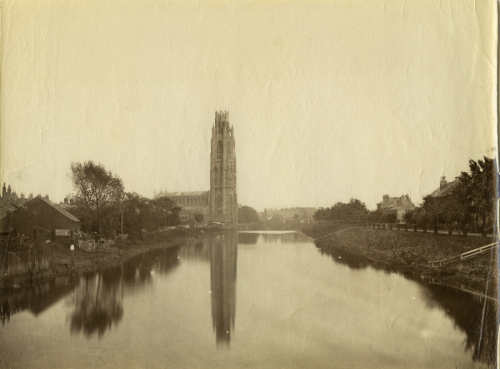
[445, 188]
[180, 194]
[58, 208]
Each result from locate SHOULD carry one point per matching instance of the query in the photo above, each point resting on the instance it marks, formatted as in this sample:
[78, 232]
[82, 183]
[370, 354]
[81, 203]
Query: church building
[220, 203]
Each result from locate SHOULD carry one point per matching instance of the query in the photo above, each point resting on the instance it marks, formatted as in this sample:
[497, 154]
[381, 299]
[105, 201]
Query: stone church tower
[223, 200]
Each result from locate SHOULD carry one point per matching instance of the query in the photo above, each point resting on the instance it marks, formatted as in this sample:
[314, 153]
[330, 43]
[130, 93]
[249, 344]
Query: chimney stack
[442, 182]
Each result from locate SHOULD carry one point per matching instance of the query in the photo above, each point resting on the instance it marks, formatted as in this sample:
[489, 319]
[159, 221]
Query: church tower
[223, 200]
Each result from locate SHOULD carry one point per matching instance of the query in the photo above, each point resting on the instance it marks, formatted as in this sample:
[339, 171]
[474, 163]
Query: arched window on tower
[219, 150]
[216, 176]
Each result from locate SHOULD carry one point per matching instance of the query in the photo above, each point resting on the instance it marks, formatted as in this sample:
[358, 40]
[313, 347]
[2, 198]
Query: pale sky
[329, 99]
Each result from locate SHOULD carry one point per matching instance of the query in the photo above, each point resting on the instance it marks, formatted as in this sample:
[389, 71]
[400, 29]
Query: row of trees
[380, 216]
[100, 202]
[353, 210]
[470, 202]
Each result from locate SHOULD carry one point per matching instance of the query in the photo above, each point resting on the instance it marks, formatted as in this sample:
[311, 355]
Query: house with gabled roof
[445, 188]
[41, 214]
[397, 205]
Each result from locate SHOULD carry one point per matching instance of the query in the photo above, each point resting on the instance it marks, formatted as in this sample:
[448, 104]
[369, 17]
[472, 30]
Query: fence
[465, 255]
[455, 230]
[88, 246]
[21, 259]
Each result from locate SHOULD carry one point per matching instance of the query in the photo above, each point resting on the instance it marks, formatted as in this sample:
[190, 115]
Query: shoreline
[64, 261]
[409, 253]
[394, 250]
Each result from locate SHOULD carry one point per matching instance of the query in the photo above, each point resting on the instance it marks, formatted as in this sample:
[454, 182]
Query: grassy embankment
[63, 260]
[410, 253]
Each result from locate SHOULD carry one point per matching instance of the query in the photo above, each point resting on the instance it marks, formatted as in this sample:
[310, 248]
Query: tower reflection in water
[223, 255]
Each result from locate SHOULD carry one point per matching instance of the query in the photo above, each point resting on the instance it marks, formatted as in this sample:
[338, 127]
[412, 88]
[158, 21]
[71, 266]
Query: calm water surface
[259, 300]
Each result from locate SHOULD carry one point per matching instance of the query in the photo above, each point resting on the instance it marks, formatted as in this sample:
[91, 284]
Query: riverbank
[410, 253]
[64, 261]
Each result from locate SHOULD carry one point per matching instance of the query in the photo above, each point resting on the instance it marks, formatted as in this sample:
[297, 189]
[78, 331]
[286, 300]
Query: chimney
[386, 198]
[442, 182]
[66, 200]
[46, 196]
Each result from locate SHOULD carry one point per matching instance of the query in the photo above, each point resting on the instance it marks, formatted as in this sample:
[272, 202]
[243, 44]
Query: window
[219, 150]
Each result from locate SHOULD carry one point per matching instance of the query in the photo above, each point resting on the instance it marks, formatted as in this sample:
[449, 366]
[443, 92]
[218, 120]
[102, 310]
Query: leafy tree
[421, 217]
[433, 209]
[96, 191]
[142, 213]
[375, 216]
[169, 211]
[409, 217]
[355, 209]
[321, 214]
[390, 217]
[463, 203]
[246, 214]
[482, 189]
[199, 218]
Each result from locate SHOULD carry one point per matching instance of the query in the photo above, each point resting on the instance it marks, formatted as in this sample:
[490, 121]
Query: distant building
[192, 203]
[64, 204]
[298, 214]
[41, 214]
[445, 188]
[275, 216]
[9, 200]
[220, 203]
[398, 205]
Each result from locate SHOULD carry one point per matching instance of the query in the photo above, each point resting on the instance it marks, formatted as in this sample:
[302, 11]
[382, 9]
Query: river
[245, 300]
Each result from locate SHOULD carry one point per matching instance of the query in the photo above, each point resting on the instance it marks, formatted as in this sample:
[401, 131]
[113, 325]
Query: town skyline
[328, 102]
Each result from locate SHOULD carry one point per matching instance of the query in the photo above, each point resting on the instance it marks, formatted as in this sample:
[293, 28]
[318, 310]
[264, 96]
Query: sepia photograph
[249, 184]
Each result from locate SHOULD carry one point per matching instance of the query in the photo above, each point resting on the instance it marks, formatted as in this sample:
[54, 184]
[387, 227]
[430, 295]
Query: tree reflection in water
[475, 315]
[97, 302]
[97, 305]
[35, 298]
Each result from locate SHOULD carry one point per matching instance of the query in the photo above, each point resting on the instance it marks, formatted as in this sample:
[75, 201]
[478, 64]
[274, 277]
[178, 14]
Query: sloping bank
[64, 261]
[410, 253]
